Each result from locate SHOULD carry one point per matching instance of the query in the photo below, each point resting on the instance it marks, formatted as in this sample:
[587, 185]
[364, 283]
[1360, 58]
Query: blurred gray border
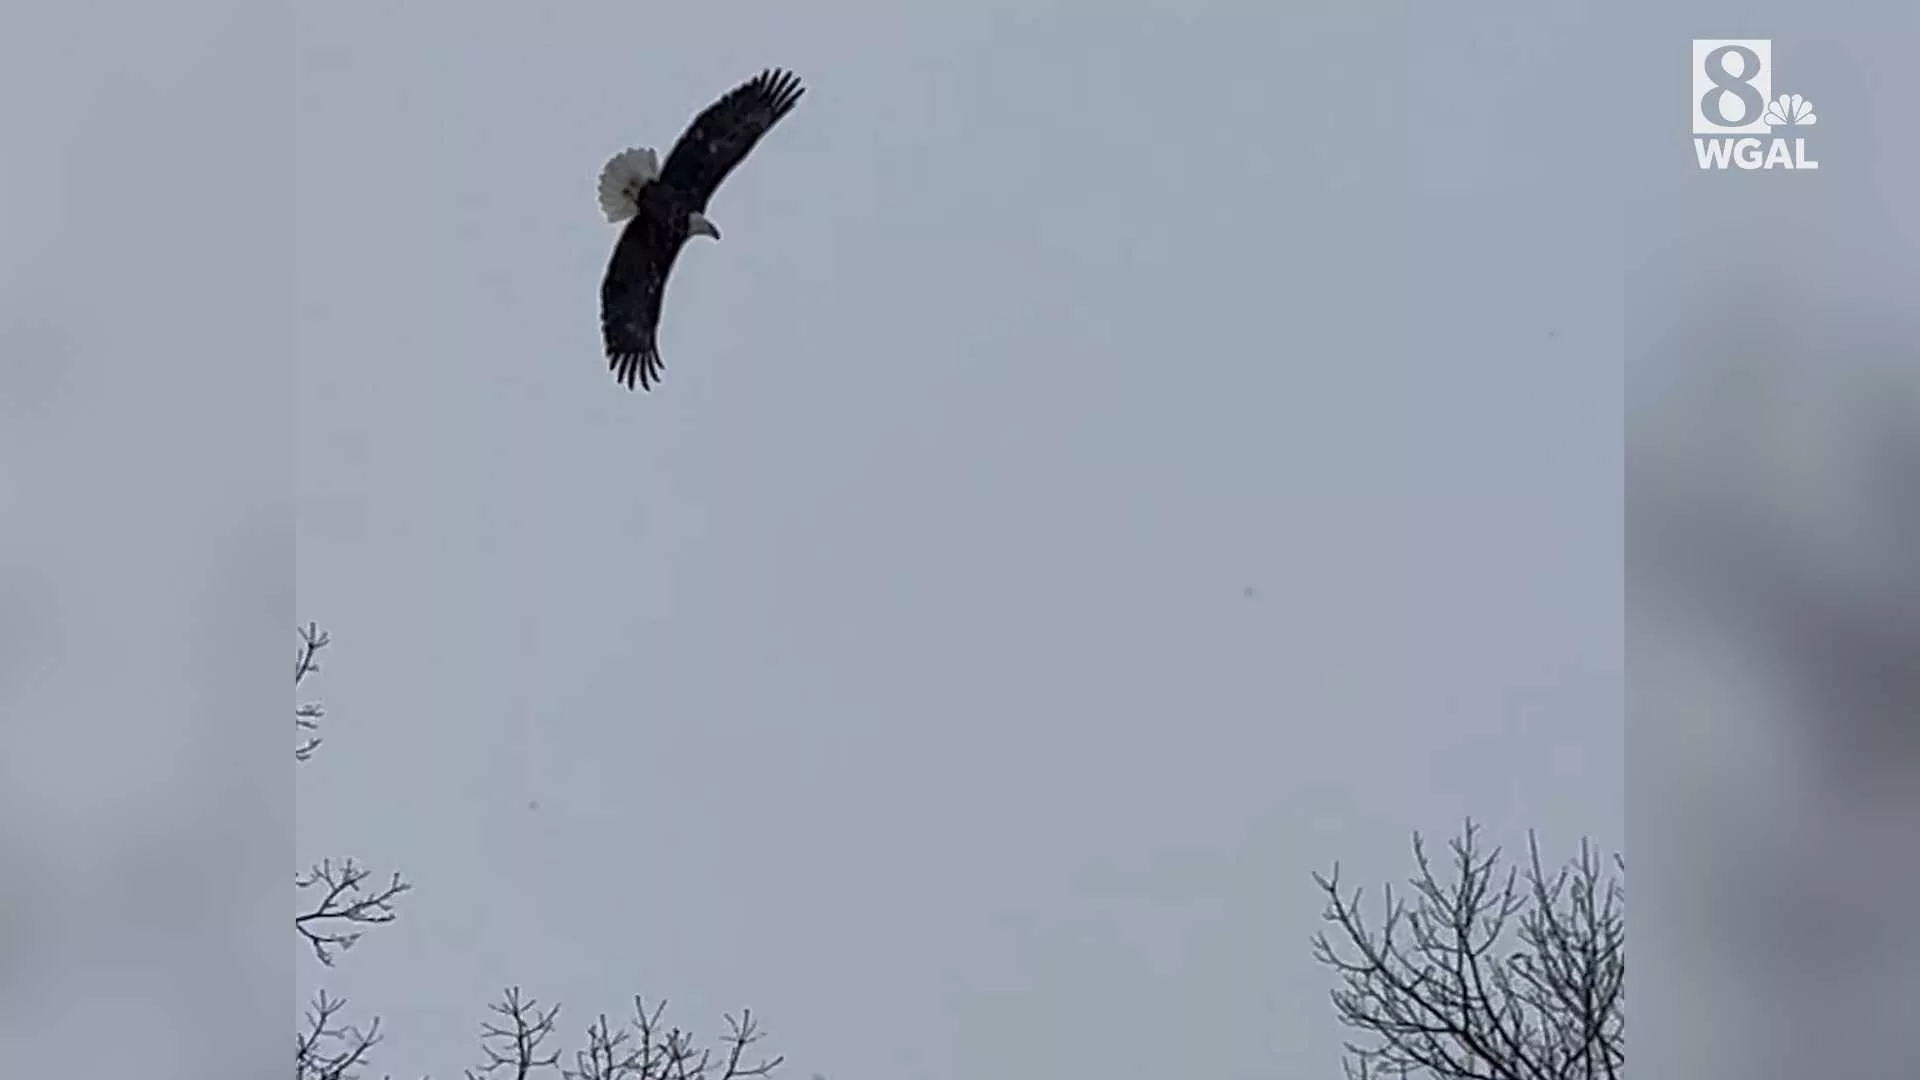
[146, 560]
[1773, 445]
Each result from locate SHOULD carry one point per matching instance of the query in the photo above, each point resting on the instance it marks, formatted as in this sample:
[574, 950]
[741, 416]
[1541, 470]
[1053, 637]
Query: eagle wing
[719, 138]
[630, 300]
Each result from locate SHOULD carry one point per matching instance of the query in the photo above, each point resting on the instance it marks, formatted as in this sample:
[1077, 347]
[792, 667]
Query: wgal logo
[1737, 122]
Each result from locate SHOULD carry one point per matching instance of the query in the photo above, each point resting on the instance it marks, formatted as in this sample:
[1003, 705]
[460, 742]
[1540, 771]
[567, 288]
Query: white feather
[620, 182]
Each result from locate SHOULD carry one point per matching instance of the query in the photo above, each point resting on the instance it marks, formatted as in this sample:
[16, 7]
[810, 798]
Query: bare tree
[515, 1044]
[1484, 974]
[345, 900]
[342, 901]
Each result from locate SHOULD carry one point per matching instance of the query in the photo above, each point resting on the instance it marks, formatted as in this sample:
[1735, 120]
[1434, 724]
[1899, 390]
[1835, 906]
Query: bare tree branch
[346, 905]
[307, 714]
[610, 1054]
[513, 1045]
[325, 1049]
[1483, 974]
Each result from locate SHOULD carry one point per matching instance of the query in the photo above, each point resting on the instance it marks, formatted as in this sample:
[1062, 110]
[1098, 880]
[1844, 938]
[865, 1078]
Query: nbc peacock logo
[1738, 122]
[1790, 110]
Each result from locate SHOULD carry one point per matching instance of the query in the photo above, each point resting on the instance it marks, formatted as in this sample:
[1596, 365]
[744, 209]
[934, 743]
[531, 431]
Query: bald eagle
[665, 205]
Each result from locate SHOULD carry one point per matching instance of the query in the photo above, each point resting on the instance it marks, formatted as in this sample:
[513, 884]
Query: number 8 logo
[1713, 102]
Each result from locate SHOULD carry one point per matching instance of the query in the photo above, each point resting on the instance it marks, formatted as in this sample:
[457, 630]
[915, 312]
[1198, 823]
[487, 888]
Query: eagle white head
[625, 174]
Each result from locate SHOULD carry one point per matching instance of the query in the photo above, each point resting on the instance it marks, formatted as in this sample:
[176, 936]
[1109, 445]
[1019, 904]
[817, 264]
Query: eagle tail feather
[622, 178]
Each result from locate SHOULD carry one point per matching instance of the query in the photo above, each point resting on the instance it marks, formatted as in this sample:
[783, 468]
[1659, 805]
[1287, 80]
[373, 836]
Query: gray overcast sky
[891, 669]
